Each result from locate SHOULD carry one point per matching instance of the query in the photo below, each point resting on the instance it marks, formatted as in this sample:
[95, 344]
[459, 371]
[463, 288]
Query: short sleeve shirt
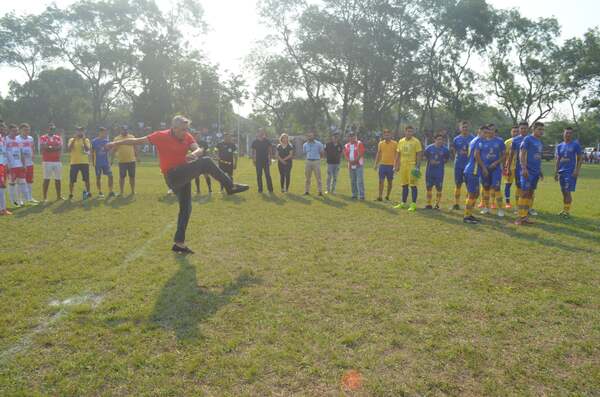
[172, 151]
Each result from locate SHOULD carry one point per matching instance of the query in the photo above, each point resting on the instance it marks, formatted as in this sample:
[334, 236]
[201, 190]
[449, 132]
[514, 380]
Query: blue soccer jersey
[534, 148]
[490, 151]
[472, 168]
[436, 158]
[515, 148]
[566, 155]
[99, 152]
[461, 148]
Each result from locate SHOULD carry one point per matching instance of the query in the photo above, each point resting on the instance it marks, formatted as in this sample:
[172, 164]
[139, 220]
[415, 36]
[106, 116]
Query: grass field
[287, 293]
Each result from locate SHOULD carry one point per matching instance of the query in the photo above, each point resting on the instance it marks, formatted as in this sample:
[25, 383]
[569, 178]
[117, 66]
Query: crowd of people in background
[481, 162]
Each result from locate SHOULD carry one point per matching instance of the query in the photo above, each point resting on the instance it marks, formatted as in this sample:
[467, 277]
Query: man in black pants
[227, 155]
[261, 157]
[181, 160]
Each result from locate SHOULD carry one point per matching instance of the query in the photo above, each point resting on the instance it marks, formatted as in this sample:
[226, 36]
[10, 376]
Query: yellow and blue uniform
[566, 155]
[436, 159]
[387, 151]
[471, 170]
[516, 149]
[460, 144]
[408, 149]
[511, 167]
[491, 150]
[533, 146]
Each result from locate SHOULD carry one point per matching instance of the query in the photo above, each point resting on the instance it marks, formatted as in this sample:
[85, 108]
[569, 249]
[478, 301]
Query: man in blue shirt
[437, 155]
[568, 164]
[101, 163]
[491, 152]
[460, 151]
[515, 150]
[472, 171]
[313, 149]
[530, 158]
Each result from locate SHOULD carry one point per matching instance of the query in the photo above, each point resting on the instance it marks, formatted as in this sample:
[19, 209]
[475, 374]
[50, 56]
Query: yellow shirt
[124, 153]
[508, 145]
[408, 149]
[387, 152]
[78, 153]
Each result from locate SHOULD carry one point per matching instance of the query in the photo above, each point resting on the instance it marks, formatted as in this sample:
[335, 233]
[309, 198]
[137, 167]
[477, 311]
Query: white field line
[94, 299]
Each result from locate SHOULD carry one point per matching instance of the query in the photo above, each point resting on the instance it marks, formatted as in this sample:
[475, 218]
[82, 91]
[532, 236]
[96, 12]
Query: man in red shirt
[181, 160]
[51, 147]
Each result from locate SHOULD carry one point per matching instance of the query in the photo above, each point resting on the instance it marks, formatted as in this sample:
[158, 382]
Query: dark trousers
[184, 195]
[208, 183]
[285, 172]
[260, 167]
[228, 169]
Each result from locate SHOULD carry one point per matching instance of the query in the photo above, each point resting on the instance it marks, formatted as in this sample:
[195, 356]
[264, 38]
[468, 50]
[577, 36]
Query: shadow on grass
[183, 305]
[23, 212]
[501, 226]
[66, 206]
[380, 206]
[298, 199]
[168, 199]
[333, 203]
[121, 201]
[202, 199]
[235, 198]
[272, 198]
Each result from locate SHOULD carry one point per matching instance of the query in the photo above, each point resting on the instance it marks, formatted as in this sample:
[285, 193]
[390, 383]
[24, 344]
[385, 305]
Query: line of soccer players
[480, 162]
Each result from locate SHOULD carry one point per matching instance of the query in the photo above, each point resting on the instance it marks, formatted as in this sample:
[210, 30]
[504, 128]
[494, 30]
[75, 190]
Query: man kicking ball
[181, 160]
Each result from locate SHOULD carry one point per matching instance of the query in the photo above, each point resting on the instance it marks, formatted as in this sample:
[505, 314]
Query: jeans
[184, 195]
[285, 171]
[332, 173]
[260, 167]
[357, 181]
[313, 166]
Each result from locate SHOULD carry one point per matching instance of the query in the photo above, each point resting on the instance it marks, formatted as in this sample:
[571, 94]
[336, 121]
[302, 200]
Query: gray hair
[180, 121]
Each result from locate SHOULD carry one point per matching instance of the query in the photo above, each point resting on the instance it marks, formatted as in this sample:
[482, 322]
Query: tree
[523, 66]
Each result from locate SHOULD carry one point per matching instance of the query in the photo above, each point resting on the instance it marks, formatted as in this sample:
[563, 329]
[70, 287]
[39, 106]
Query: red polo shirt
[171, 151]
[56, 141]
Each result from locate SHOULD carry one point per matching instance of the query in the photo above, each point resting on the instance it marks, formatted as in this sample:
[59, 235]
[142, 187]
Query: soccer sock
[499, 200]
[517, 195]
[11, 193]
[469, 207]
[429, 196]
[457, 196]
[523, 207]
[486, 198]
[530, 201]
[2, 199]
[507, 192]
[493, 196]
[30, 191]
[23, 190]
[567, 207]
[404, 193]
[438, 197]
[413, 190]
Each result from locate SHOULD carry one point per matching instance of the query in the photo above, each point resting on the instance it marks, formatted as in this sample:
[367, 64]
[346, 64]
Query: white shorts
[52, 170]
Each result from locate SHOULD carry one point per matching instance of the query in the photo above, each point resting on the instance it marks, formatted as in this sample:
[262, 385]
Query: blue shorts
[472, 182]
[434, 179]
[493, 180]
[386, 172]
[567, 181]
[103, 169]
[529, 183]
[459, 174]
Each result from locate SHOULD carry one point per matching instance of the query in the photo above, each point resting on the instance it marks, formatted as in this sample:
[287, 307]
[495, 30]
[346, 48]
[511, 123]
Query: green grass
[287, 293]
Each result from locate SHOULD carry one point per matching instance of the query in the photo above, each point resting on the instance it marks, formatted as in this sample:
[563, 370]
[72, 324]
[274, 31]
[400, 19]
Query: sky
[234, 26]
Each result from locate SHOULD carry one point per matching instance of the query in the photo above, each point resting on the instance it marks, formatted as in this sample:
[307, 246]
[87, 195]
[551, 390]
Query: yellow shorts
[406, 177]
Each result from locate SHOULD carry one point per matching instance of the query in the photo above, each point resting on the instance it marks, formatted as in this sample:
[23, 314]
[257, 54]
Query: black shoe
[306, 193]
[181, 250]
[320, 194]
[378, 199]
[111, 194]
[476, 220]
[237, 188]
[456, 207]
[467, 219]
[70, 197]
[428, 207]
[387, 198]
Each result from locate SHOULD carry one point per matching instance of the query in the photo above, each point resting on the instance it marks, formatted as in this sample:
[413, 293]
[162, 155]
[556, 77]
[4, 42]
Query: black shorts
[127, 169]
[77, 168]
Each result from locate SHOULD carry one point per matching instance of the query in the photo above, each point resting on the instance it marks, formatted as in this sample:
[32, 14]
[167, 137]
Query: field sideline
[286, 293]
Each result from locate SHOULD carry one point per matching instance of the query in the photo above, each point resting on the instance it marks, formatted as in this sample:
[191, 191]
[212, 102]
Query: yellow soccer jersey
[388, 152]
[508, 145]
[408, 149]
[78, 153]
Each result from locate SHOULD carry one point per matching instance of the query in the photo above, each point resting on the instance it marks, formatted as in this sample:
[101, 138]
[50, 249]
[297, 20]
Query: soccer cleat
[412, 208]
[181, 250]
[34, 201]
[401, 206]
[111, 194]
[470, 220]
[484, 211]
[480, 205]
[500, 213]
[387, 198]
[493, 206]
[508, 206]
[518, 221]
[533, 212]
[237, 188]
[100, 195]
[564, 214]
[456, 207]
[428, 207]
[378, 199]
[16, 204]
[437, 207]
[70, 197]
